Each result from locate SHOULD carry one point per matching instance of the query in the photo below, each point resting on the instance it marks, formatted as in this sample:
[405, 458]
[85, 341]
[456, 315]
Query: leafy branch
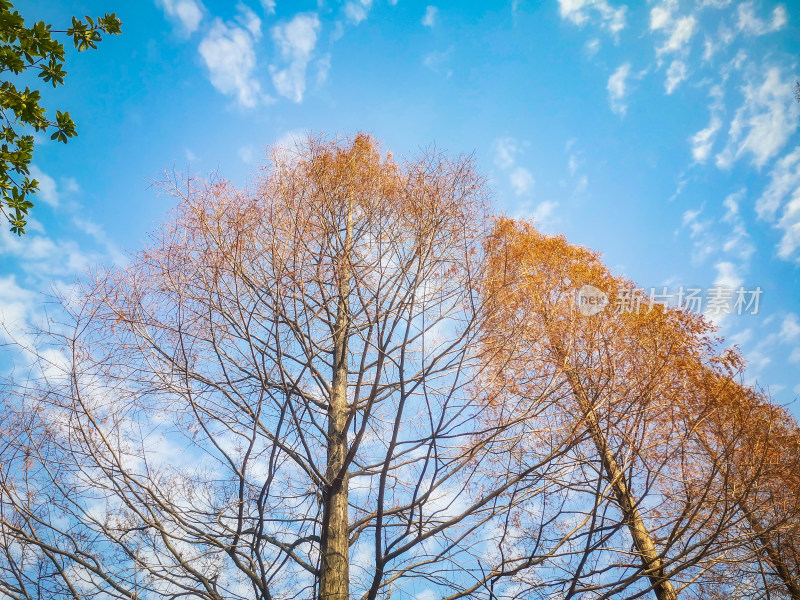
[23, 48]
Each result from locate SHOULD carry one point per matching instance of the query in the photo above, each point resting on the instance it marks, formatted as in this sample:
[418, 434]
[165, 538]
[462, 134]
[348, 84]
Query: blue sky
[662, 134]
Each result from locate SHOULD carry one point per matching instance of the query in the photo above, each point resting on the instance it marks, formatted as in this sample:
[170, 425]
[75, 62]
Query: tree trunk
[334, 580]
[642, 540]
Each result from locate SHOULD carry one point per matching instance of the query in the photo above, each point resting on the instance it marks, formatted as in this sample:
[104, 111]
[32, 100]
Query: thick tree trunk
[334, 577]
[334, 580]
[642, 540]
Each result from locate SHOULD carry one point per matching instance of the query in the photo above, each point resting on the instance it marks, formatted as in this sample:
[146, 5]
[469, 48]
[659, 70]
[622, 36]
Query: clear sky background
[662, 134]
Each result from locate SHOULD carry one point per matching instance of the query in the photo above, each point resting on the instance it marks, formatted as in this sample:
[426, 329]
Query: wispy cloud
[704, 242]
[681, 32]
[581, 12]
[750, 24]
[703, 140]
[437, 61]
[738, 242]
[249, 20]
[228, 51]
[790, 329]
[48, 190]
[356, 11]
[16, 309]
[661, 15]
[189, 13]
[727, 275]
[99, 235]
[765, 121]
[295, 41]
[784, 181]
[506, 150]
[618, 89]
[430, 17]
[676, 73]
[521, 180]
[544, 211]
[46, 257]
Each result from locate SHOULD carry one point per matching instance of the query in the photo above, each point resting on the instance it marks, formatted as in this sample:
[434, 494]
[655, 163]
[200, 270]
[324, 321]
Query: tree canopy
[351, 380]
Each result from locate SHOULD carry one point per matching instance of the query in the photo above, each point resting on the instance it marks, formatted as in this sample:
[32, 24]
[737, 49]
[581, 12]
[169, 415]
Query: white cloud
[675, 74]
[768, 116]
[580, 12]
[794, 357]
[705, 244]
[790, 224]
[431, 14]
[229, 54]
[43, 257]
[738, 243]
[521, 180]
[48, 190]
[247, 154]
[70, 185]
[249, 20]
[757, 361]
[741, 338]
[323, 65]
[790, 329]
[784, 180]
[505, 151]
[714, 43]
[681, 32]
[268, 6]
[189, 13]
[15, 308]
[573, 164]
[715, 3]
[661, 14]
[437, 61]
[295, 41]
[727, 276]
[690, 218]
[731, 204]
[707, 239]
[357, 10]
[750, 24]
[703, 140]
[505, 157]
[543, 211]
[100, 236]
[617, 89]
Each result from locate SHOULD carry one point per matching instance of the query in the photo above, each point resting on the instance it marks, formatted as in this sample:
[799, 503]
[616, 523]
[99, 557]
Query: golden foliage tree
[349, 381]
[642, 383]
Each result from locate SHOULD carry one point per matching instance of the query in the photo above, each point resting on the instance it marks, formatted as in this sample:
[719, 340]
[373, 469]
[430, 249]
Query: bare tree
[282, 397]
[349, 382]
